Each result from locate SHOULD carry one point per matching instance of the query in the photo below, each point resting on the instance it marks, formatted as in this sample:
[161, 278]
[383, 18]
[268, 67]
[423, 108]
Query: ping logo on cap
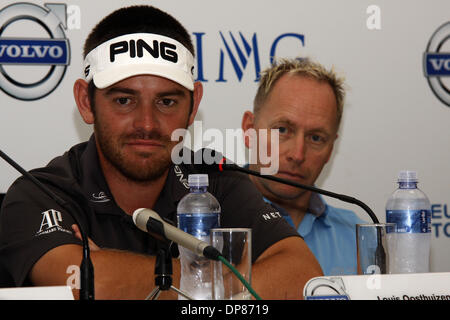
[86, 71]
[135, 48]
[139, 54]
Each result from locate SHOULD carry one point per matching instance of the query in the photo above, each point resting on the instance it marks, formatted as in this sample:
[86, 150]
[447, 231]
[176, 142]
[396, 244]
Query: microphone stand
[342, 197]
[380, 254]
[86, 267]
[163, 271]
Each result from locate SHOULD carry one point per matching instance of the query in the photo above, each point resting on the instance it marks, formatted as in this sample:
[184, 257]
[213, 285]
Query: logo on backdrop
[241, 52]
[52, 51]
[436, 63]
[440, 216]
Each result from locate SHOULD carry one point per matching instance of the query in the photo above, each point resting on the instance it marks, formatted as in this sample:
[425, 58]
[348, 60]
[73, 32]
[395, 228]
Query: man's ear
[80, 93]
[197, 97]
[248, 122]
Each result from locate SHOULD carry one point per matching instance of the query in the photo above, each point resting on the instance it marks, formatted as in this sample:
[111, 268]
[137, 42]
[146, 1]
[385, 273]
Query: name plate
[37, 293]
[410, 286]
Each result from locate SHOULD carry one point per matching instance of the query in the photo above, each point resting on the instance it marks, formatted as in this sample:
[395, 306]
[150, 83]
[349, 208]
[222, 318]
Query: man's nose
[297, 149]
[145, 117]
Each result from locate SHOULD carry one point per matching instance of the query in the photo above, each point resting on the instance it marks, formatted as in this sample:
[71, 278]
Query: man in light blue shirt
[330, 234]
[303, 102]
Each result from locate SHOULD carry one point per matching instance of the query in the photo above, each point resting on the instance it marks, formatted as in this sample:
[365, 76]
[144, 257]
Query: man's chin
[144, 174]
[145, 167]
[284, 192]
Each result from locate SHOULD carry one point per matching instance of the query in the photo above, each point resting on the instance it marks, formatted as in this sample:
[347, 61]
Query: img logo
[241, 52]
[436, 63]
[22, 56]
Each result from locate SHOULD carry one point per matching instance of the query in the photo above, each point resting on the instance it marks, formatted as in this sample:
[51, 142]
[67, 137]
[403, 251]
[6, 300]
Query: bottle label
[410, 221]
[198, 224]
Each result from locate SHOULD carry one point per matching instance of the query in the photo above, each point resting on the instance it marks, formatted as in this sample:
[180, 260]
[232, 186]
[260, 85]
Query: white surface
[413, 286]
[37, 293]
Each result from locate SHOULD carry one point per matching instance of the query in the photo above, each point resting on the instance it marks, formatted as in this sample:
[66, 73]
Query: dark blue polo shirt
[31, 223]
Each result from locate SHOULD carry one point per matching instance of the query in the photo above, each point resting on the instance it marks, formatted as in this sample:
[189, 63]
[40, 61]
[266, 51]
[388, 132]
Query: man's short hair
[135, 19]
[301, 67]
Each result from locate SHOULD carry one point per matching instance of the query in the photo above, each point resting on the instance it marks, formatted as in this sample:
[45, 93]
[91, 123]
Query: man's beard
[148, 166]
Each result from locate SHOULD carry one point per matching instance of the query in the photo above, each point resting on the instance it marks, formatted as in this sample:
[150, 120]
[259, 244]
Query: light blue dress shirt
[330, 234]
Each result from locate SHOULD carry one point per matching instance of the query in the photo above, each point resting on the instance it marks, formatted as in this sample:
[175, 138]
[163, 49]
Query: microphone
[86, 267]
[223, 165]
[149, 221]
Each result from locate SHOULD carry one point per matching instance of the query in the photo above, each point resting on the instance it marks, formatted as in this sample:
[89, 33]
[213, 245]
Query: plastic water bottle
[198, 212]
[410, 209]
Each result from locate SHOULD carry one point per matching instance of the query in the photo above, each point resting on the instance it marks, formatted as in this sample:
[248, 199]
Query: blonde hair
[304, 68]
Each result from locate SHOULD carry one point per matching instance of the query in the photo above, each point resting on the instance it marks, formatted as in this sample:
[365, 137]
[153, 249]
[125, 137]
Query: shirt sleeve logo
[51, 220]
[271, 216]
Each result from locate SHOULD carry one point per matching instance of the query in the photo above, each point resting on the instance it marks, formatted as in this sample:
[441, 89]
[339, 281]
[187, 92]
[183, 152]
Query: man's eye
[166, 102]
[123, 101]
[282, 130]
[316, 138]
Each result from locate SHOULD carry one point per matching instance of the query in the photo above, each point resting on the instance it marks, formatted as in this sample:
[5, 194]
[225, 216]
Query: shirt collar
[175, 188]
[317, 205]
[93, 182]
[317, 213]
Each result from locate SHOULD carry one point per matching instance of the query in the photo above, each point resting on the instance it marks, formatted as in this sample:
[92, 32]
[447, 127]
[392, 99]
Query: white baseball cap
[138, 54]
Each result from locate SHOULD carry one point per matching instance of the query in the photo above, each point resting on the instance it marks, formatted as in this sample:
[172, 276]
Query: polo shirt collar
[318, 210]
[317, 205]
[317, 213]
[94, 184]
[175, 188]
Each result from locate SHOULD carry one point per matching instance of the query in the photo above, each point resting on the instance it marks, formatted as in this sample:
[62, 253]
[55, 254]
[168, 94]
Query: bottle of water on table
[197, 213]
[410, 209]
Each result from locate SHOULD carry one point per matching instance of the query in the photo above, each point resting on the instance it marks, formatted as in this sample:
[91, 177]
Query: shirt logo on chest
[100, 197]
[180, 175]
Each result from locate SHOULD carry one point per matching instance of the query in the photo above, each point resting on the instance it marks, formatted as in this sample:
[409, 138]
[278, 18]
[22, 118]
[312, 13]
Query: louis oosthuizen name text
[227, 309]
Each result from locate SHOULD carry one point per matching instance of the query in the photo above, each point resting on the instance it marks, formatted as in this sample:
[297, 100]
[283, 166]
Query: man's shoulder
[60, 173]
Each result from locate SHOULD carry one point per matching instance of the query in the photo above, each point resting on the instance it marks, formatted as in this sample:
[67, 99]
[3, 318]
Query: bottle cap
[407, 176]
[198, 180]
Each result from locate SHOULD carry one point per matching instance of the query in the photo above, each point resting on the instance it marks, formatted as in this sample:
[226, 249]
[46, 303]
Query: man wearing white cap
[138, 88]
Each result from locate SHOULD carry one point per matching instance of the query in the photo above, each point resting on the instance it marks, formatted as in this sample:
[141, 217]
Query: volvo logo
[52, 51]
[436, 63]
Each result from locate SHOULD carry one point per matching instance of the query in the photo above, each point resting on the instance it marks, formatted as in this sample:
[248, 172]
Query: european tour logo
[241, 51]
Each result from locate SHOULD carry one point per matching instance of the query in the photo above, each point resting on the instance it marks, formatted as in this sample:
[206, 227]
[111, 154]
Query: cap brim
[113, 75]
